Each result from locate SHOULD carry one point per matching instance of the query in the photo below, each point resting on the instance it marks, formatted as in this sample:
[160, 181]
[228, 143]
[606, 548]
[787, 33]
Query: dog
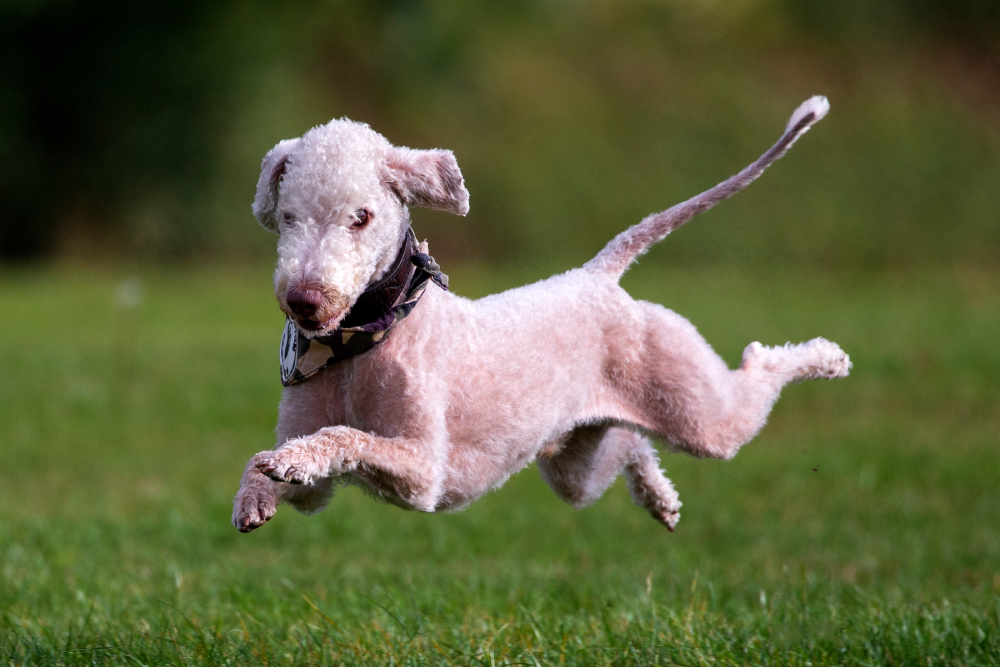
[428, 400]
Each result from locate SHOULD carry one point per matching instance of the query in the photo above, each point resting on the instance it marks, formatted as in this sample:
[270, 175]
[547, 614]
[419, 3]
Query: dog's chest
[369, 393]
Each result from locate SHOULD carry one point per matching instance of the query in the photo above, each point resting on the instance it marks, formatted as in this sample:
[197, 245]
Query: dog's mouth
[313, 325]
[314, 311]
[314, 328]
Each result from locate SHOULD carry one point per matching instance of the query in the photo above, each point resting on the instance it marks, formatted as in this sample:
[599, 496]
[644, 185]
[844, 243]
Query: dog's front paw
[253, 507]
[294, 463]
[273, 465]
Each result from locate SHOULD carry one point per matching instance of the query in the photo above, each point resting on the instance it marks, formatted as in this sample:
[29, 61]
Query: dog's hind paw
[667, 513]
[814, 360]
[828, 360]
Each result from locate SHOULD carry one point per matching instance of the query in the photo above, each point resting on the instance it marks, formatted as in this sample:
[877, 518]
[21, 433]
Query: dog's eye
[361, 218]
[287, 217]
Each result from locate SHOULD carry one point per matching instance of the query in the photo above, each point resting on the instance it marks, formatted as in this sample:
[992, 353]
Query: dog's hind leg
[649, 487]
[682, 391]
[583, 467]
[593, 457]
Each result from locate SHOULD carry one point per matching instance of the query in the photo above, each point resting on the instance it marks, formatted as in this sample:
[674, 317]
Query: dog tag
[289, 351]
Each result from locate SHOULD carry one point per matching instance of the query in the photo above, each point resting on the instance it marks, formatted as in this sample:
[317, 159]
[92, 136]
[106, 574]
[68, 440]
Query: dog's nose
[304, 302]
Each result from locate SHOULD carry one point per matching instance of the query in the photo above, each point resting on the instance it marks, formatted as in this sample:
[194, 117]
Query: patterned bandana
[381, 307]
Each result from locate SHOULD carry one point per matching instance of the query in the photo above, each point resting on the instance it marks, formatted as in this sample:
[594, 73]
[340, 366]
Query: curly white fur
[570, 372]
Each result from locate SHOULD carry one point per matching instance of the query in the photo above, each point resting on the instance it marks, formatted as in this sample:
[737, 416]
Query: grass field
[861, 527]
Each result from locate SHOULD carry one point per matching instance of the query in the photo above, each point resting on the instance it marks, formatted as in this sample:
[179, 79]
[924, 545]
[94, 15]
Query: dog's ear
[265, 203]
[428, 178]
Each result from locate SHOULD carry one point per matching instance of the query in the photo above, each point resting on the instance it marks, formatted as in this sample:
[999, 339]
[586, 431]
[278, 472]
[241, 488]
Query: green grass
[861, 527]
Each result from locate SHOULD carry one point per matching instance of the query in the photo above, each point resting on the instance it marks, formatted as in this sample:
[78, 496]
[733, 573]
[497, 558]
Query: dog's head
[337, 197]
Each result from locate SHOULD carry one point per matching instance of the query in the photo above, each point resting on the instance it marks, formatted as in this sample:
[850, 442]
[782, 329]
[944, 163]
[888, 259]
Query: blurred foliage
[134, 130]
[974, 22]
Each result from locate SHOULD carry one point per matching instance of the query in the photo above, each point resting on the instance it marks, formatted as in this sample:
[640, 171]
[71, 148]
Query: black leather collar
[380, 297]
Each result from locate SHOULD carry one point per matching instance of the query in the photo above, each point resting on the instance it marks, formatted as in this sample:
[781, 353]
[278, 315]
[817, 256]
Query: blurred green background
[134, 131]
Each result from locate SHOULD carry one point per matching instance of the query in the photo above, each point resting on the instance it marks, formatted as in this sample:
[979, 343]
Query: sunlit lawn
[861, 527]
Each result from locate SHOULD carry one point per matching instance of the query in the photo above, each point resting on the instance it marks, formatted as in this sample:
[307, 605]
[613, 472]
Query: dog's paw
[273, 465]
[667, 513]
[827, 360]
[294, 463]
[252, 508]
[814, 360]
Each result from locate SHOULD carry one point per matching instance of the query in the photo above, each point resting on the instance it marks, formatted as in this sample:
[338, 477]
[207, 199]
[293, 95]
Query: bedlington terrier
[428, 400]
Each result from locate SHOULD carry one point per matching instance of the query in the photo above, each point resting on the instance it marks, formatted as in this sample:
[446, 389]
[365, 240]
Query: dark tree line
[103, 100]
[99, 99]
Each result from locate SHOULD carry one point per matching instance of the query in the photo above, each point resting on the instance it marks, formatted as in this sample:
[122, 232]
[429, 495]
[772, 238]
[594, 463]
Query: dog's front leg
[400, 469]
[256, 501]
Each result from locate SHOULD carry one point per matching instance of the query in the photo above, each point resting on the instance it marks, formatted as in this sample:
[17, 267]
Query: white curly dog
[570, 372]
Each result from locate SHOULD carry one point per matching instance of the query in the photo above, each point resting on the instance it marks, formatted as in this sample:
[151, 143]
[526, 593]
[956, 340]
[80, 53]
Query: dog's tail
[624, 248]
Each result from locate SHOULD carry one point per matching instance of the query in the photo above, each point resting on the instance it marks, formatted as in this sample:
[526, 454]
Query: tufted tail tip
[816, 106]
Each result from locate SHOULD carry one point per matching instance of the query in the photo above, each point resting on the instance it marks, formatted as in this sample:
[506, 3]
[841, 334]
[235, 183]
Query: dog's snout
[304, 302]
